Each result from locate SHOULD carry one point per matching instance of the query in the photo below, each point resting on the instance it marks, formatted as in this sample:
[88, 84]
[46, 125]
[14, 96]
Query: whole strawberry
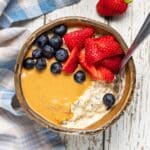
[112, 7]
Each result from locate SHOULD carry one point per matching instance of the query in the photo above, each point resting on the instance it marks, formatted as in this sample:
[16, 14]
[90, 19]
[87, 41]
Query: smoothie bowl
[66, 76]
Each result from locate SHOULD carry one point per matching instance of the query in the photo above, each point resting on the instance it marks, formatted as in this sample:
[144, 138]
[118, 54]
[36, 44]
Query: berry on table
[112, 7]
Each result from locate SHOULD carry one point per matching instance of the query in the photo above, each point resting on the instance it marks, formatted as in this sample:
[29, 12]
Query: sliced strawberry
[102, 48]
[99, 73]
[107, 37]
[109, 47]
[91, 51]
[112, 63]
[78, 37]
[105, 74]
[72, 62]
[89, 68]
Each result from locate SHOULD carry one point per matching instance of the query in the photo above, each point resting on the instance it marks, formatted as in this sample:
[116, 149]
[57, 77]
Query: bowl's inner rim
[23, 52]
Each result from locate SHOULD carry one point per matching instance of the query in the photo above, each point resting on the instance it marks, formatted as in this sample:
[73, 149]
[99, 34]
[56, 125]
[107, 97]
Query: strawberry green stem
[128, 1]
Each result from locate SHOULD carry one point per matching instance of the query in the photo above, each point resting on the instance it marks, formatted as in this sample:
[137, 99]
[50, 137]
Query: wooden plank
[76, 142]
[85, 8]
[131, 132]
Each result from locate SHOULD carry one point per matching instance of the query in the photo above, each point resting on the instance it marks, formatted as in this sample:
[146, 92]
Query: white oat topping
[89, 108]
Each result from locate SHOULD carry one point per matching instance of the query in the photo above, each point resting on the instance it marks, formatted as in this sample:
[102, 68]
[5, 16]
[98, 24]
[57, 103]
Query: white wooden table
[132, 130]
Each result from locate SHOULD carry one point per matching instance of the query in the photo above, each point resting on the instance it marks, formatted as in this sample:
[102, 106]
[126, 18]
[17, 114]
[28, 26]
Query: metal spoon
[142, 34]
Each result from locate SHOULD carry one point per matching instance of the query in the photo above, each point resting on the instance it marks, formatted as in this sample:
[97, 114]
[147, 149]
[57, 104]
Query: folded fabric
[17, 131]
[3, 4]
[19, 10]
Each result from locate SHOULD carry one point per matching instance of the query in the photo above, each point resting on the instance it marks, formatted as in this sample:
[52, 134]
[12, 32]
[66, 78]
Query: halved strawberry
[112, 63]
[108, 48]
[105, 74]
[99, 73]
[102, 48]
[78, 37]
[89, 68]
[72, 62]
[91, 51]
[107, 37]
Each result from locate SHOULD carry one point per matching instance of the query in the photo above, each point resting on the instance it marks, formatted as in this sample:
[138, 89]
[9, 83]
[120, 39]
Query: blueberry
[109, 100]
[42, 40]
[60, 29]
[40, 64]
[48, 51]
[56, 67]
[56, 42]
[61, 55]
[79, 76]
[28, 63]
[37, 53]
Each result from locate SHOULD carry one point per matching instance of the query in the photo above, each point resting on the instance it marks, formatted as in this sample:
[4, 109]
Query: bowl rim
[41, 120]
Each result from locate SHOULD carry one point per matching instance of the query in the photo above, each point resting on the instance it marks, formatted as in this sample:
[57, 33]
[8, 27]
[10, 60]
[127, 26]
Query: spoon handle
[142, 34]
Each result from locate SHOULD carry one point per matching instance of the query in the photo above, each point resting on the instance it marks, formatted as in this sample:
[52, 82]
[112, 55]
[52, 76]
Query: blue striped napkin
[19, 10]
[17, 131]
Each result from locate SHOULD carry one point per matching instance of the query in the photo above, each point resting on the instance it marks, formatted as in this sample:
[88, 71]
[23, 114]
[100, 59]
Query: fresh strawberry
[102, 9]
[112, 63]
[105, 74]
[109, 47]
[89, 68]
[78, 37]
[102, 48]
[72, 62]
[91, 51]
[99, 73]
[112, 7]
[106, 37]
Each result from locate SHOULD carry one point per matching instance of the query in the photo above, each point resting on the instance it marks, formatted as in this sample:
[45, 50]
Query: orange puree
[50, 95]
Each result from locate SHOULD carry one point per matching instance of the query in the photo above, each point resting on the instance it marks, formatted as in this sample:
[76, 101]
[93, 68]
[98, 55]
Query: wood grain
[132, 130]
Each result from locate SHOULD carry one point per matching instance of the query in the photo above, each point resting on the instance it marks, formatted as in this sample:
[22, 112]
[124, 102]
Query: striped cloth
[17, 131]
[19, 10]
[20, 133]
